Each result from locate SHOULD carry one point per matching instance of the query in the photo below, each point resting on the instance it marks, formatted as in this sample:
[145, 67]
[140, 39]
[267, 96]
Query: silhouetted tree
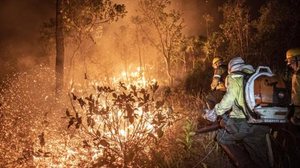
[236, 27]
[84, 22]
[59, 64]
[277, 29]
[166, 32]
[77, 21]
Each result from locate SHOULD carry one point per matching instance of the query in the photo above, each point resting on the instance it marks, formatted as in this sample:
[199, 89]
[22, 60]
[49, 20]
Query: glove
[210, 115]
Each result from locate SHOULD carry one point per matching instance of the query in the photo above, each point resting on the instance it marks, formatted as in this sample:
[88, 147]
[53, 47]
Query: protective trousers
[247, 143]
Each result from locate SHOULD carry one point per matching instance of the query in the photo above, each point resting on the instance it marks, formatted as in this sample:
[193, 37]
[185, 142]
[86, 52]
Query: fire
[136, 78]
[107, 122]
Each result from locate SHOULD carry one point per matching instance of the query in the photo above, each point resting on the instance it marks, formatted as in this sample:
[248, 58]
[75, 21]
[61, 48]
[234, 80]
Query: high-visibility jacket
[218, 81]
[234, 97]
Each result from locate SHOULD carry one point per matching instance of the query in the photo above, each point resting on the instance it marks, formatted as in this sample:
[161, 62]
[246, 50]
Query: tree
[214, 45]
[84, 21]
[77, 22]
[208, 19]
[193, 48]
[260, 39]
[277, 29]
[59, 64]
[166, 28]
[123, 48]
[236, 28]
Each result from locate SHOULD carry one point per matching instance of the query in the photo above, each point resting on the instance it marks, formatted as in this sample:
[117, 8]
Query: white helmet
[235, 64]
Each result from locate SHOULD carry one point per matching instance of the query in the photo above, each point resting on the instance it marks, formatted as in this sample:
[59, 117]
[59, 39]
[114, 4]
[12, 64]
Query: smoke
[20, 31]
[21, 23]
[192, 10]
[193, 14]
[194, 25]
[121, 49]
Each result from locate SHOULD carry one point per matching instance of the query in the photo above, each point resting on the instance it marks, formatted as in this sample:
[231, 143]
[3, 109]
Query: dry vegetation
[121, 126]
[128, 121]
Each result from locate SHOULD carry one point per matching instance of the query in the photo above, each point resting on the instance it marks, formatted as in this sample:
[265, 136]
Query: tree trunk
[59, 64]
[169, 74]
[185, 62]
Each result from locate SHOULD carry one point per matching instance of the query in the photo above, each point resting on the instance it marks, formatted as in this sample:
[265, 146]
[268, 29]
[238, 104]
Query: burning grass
[123, 125]
[115, 127]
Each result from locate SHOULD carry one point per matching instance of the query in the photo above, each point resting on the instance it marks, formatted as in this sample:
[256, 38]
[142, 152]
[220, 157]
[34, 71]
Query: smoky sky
[192, 12]
[21, 22]
[20, 25]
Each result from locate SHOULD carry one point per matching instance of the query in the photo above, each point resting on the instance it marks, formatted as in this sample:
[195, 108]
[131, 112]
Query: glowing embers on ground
[136, 78]
[109, 126]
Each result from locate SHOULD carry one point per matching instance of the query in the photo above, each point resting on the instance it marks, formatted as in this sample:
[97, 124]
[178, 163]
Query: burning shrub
[121, 125]
[113, 127]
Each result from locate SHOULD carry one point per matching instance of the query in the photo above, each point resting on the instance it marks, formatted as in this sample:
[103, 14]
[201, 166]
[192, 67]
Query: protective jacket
[237, 131]
[218, 82]
[234, 97]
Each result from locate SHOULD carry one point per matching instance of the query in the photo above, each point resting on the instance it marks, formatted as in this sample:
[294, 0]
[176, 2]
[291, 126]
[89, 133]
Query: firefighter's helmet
[235, 63]
[217, 61]
[293, 55]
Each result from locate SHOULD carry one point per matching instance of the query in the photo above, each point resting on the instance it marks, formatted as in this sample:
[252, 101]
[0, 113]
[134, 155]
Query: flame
[70, 153]
[136, 78]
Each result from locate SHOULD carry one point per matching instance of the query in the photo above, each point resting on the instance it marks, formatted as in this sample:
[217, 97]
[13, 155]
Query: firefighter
[244, 143]
[218, 82]
[293, 61]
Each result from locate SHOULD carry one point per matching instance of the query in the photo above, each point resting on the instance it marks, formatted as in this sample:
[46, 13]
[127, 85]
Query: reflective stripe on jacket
[218, 81]
[233, 98]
